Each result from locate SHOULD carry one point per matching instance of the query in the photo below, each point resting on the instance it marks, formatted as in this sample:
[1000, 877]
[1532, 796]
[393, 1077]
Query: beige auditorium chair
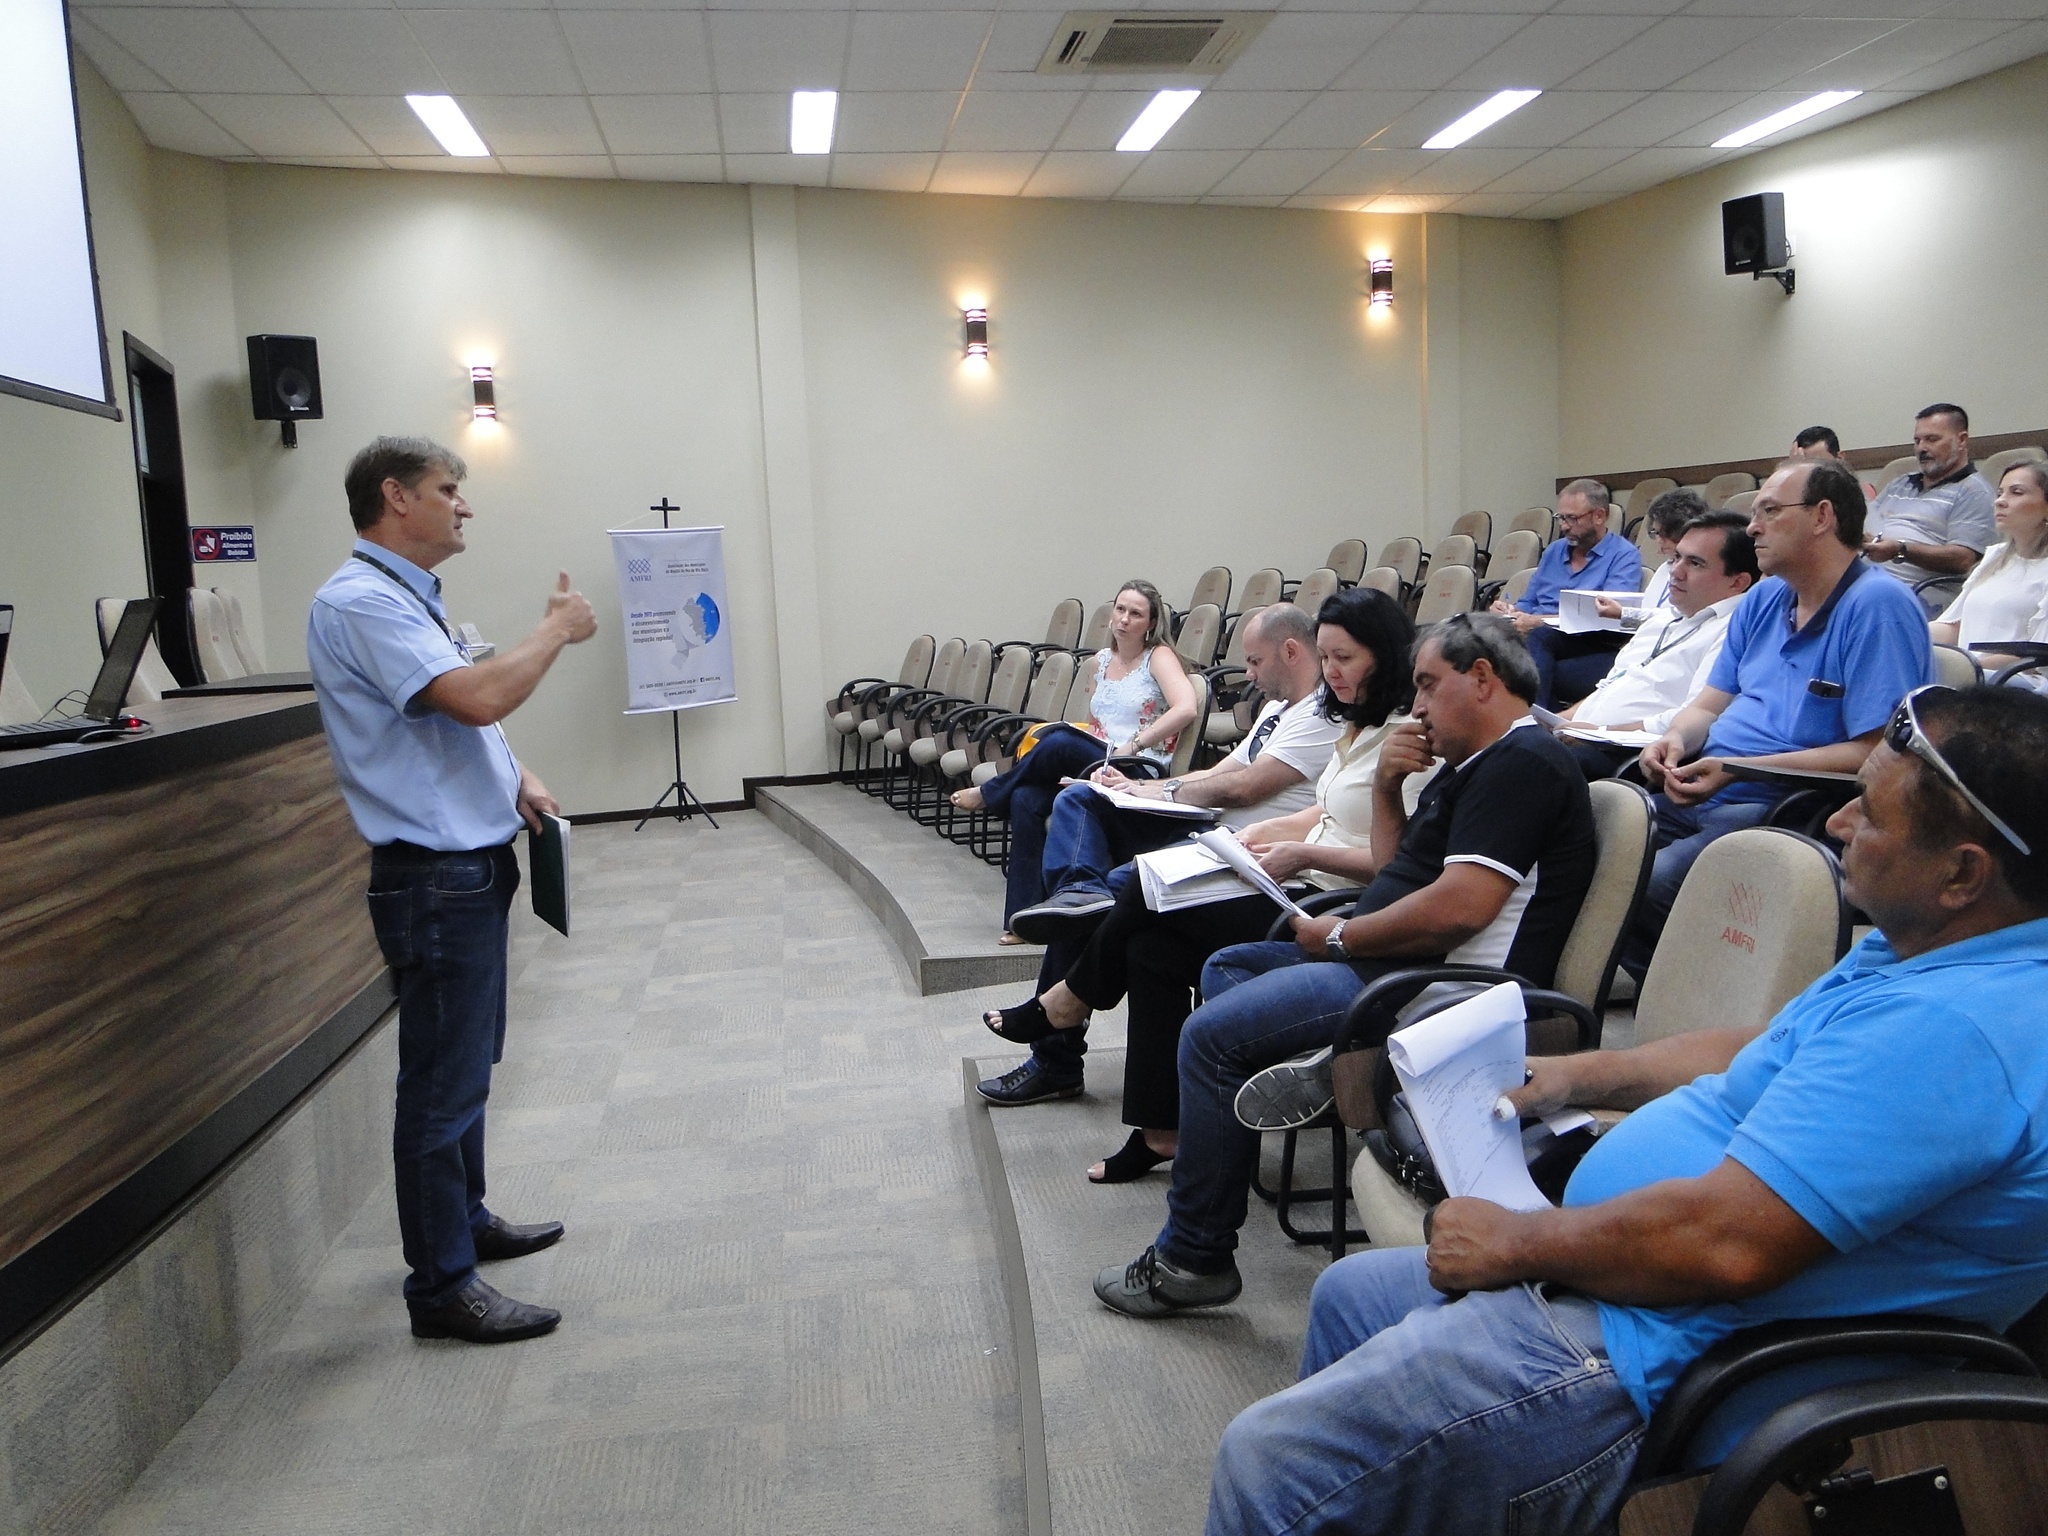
[1741, 502]
[1262, 589]
[1759, 917]
[238, 632]
[913, 721]
[1453, 549]
[1897, 467]
[1478, 527]
[871, 730]
[1405, 556]
[1230, 715]
[1616, 522]
[1517, 584]
[1200, 633]
[1998, 463]
[1316, 589]
[212, 639]
[1212, 586]
[1519, 551]
[1383, 578]
[1062, 630]
[865, 698]
[1096, 635]
[1956, 668]
[943, 731]
[991, 749]
[152, 678]
[1449, 590]
[1734, 483]
[1347, 559]
[1541, 521]
[1640, 495]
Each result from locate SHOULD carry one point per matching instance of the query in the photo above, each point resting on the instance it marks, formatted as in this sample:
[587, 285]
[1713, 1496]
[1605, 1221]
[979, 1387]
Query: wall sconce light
[1383, 282]
[485, 390]
[977, 333]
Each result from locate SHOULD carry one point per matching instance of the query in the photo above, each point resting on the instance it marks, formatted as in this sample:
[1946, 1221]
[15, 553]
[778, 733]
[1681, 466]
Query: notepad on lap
[1454, 1066]
[1124, 802]
[548, 854]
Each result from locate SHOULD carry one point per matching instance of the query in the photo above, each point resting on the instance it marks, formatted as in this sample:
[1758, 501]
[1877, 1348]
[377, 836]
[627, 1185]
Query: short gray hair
[1596, 494]
[404, 459]
[1464, 638]
[1284, 621]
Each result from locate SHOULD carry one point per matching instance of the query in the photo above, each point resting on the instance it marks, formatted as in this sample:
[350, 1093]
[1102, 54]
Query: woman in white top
[1156, 959]
[2003, 598]
[1142, 702]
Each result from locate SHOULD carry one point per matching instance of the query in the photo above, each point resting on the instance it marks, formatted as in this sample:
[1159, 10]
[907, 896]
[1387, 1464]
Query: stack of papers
[1605, 735]
[1577, 615]
[1210, 866]
[1124, 802]
[1454, 1067]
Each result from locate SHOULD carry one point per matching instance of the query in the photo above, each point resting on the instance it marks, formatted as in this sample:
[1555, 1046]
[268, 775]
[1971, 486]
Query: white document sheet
[1454, 1067]
[1227, 848]
[1577, 615]
[1124, 802]
[1185, 875]
[1601, 734]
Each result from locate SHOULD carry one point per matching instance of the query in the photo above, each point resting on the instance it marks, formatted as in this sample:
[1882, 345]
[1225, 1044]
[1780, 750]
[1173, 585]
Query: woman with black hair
[1363, 639]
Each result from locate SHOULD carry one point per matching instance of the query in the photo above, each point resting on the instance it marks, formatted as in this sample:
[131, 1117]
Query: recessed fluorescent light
[1481, 117]
[446, 123]
[1160, 114]
[810, 121]
[1813, 106]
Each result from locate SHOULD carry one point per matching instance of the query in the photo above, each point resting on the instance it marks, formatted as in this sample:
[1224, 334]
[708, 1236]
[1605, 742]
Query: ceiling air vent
[1149, 42]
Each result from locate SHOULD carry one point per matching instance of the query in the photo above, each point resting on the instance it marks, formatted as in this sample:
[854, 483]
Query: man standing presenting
[1938, 522]
[1587, 558]
[434, 787]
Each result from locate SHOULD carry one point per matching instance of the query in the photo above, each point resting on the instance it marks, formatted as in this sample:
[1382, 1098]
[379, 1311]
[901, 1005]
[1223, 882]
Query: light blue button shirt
[409, 773]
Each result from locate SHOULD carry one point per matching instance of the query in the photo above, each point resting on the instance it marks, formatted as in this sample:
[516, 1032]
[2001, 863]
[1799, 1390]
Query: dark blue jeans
[1088, 837]
[1571, 666]
[441, 921]
[1024, 796]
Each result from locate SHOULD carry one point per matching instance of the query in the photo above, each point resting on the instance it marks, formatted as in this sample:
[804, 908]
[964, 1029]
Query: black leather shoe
[1028, 1084]
[500, 1239]
[478, 1314]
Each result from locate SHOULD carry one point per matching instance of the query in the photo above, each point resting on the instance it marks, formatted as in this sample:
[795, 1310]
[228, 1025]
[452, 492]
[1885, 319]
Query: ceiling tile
[1343, 119]
[1618, 7]
[456, 165]
[1466, 169]
[1331, 204]
[535, 125]
[386, 124]
[777, 51]
[1080, 173]
[994, 175]
[1303, 51]
[1235, 119]
[117, 66]
[756, 123]
[1674, 47]
[1492, 205]
[1101, 118]
[621, 53]
[2009, 48]
[1783, 52]
[1647, 167]
[1011, 120]
[1367, 171]
[1905, 50]
[1654, 118]
[894, 122]
[1410, 202]
[201, 50]
[438, 5]
[779, 170]
[1556, 169]
[1564, 204]
[914, 50]
[172, 122]
[1426, 52]
[1550, 50]
[883, 173]
[594, 167]
[497, 53]
[1276, 172]
[670, 167]
[351, 53]
[283, 125]
[1179, 172]
[658, 125]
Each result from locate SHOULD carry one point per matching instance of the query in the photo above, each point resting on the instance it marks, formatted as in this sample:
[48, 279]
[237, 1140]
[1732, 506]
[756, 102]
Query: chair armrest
[1315, 906]
[859, 685]
[1744, 1357]
[1370, 1011]
[2033, 650]
[1137, 767]
[1812, 1429]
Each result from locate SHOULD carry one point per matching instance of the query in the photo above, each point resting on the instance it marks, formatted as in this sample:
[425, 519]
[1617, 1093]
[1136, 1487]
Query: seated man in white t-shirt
[1667, 661]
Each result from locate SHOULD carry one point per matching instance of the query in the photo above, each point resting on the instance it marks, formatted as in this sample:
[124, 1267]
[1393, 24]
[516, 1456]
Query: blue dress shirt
[1615, 565]
[408, 772]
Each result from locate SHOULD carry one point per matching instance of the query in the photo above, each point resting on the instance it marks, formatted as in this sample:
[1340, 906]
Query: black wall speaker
[284, 378]
[1753, 233]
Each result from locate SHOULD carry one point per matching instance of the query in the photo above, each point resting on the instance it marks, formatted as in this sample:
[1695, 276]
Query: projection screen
[50, 341]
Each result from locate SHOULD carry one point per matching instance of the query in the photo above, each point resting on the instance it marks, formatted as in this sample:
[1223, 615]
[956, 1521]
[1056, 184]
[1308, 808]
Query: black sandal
[1025, 1024]
[1132, 1161]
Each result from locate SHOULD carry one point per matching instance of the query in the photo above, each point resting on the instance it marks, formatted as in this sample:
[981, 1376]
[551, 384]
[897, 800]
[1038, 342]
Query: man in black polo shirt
[1937, 522]
[1490, 871]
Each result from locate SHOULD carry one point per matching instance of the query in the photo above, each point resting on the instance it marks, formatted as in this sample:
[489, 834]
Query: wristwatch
[1334, 943]
[1170, 788]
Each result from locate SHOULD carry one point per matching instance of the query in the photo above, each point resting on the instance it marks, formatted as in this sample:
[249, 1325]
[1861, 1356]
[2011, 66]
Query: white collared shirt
[1660, 670]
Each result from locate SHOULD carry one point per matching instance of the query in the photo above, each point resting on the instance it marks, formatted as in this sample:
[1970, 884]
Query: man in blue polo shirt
[434, 788]
[1770, 1173]
[1817, 657]
[1587, 558]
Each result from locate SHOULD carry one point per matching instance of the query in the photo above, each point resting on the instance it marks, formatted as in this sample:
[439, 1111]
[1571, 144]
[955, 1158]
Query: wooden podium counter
[183, 951]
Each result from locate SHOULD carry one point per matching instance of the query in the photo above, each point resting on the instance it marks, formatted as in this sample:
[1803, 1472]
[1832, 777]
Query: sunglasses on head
[1904, 735]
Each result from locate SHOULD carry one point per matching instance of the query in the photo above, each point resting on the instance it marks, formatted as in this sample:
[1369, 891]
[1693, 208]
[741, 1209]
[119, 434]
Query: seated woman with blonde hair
[1142, 702]
[2004, 596]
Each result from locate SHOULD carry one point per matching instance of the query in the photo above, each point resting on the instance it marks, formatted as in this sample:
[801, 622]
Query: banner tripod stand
[687, 804]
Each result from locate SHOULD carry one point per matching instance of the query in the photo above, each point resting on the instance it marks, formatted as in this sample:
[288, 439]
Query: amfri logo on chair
[1746, 906]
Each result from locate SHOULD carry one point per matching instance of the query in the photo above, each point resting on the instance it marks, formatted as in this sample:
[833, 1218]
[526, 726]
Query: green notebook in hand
[548, 853]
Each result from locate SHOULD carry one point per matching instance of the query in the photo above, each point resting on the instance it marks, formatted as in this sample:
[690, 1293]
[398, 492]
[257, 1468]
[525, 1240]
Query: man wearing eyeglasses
[1587, 558]
[1817, 657]
[1879, 1146]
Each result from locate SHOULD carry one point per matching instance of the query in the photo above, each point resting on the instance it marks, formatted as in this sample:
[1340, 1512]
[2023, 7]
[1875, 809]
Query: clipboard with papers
[1601, 735]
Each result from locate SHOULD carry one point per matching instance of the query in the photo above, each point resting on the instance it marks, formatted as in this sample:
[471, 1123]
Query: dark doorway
[160, 475]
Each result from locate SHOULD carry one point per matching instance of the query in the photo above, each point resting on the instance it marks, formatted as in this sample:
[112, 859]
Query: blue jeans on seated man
[1571, 666]
[1417, 1415]
[441, 921]
[1682, 832]
[1024, 797]
[1262, 1003]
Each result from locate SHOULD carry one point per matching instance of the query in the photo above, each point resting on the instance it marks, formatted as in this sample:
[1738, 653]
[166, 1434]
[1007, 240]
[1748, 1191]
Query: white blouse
[1998, 604]
[1344, 794]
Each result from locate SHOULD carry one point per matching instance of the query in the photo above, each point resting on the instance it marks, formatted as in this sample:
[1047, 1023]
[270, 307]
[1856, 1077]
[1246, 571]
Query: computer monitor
[124, 655]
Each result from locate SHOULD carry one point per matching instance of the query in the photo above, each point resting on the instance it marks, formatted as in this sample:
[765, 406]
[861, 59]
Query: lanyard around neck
[410, 591]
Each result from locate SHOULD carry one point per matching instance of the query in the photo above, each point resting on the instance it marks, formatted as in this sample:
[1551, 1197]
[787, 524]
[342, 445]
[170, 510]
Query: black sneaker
[1151, 1287]
[1028, 1084]
[1070, 913]
[1288, 1096]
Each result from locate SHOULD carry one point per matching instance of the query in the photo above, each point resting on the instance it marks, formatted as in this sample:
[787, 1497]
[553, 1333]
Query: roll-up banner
[678, 633]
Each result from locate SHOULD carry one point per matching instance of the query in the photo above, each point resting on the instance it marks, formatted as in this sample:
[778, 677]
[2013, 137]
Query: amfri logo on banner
[678, 634]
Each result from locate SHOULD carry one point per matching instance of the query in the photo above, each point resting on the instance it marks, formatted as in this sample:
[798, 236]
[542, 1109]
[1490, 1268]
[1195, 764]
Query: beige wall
[1918, 235]
[1171, 387]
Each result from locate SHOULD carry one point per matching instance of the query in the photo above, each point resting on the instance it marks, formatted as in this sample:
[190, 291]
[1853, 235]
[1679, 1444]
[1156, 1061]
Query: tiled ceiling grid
[1326, 108]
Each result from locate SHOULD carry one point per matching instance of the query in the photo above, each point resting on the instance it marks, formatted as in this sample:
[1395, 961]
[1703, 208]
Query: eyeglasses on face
[1904, 735]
